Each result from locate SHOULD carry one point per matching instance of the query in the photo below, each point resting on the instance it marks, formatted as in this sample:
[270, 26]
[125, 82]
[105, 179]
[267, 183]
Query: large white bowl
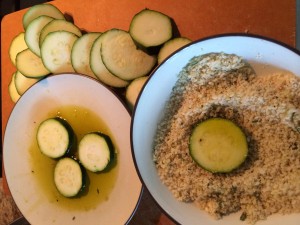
[261, 53]
[33, 107]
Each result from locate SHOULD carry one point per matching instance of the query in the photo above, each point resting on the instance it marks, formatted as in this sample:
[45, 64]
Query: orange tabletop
[195, 19]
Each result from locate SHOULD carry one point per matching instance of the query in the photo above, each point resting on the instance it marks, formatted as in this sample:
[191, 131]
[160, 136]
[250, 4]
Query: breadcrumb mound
[265, 107]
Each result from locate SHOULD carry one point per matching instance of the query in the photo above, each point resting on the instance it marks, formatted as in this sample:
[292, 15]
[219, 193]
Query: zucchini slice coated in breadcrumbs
[218, 145]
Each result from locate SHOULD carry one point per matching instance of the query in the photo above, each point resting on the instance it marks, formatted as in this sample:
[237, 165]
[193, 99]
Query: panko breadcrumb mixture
[265, 107]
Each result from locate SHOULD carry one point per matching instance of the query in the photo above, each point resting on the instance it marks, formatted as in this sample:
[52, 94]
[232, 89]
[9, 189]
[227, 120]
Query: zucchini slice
[41, 9]
[68, 177]
[95, 151]
[55, 137]
[56, 51]
[17, 45]
[121, 56]
[30, 65]
[171, 46]
[150, 28]
[33, 31]
[218, 145]
[23, 83]
[133, 90]
[12, 90]
[99, 68]
[80, 55]
[58, 25]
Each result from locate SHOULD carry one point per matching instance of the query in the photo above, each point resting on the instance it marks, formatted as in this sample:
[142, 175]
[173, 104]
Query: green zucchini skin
[58, 25]
[150, 28]
[31, 65]
[42, 139]
[218, 145]
[100, 70]
[96, 151]
[33, 31]
[56, 51]
[171, 46]
[70, 177]
[81, 53]
[41, 9]
[121, 56]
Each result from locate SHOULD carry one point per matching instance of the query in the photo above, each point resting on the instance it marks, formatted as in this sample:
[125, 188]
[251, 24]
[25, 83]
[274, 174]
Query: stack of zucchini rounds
[50, 44]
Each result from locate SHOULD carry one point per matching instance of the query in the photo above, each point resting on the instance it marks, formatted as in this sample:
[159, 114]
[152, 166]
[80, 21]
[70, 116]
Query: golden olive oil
[99, 185]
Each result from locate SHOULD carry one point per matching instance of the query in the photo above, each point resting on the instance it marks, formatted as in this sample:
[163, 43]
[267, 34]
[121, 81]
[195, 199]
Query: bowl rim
[223, 35]
[109, 89]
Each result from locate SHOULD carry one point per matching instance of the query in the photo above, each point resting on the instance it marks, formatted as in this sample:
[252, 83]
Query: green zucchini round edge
[56, 51]
[218, 145]
[100, 70]
[55, 137]
[151, 28]
[41, 9]
[121, 56]
[95, 151]
[170, 47]
[69, 177]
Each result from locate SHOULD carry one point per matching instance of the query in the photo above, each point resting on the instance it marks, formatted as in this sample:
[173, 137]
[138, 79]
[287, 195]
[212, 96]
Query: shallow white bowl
[261, 53]
[33, 107]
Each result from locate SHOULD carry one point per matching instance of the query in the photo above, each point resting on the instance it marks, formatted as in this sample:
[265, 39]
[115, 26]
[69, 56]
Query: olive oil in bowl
[99, 185]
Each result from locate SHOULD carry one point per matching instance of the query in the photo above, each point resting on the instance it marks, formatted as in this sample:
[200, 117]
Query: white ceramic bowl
[32, 196]
[261, 53]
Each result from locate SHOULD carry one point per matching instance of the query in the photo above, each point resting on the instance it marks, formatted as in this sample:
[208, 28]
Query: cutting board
[195, 19]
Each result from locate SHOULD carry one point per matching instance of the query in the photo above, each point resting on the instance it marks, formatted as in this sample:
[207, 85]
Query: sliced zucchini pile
[50, 45]
[25, 49]
[218, 145]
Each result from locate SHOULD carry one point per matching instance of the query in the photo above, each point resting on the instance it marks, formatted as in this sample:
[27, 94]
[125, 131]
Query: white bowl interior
[31, 109]
[150, 106]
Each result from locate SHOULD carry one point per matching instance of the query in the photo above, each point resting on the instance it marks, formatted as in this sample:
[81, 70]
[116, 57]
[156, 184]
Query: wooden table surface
[195, 19]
